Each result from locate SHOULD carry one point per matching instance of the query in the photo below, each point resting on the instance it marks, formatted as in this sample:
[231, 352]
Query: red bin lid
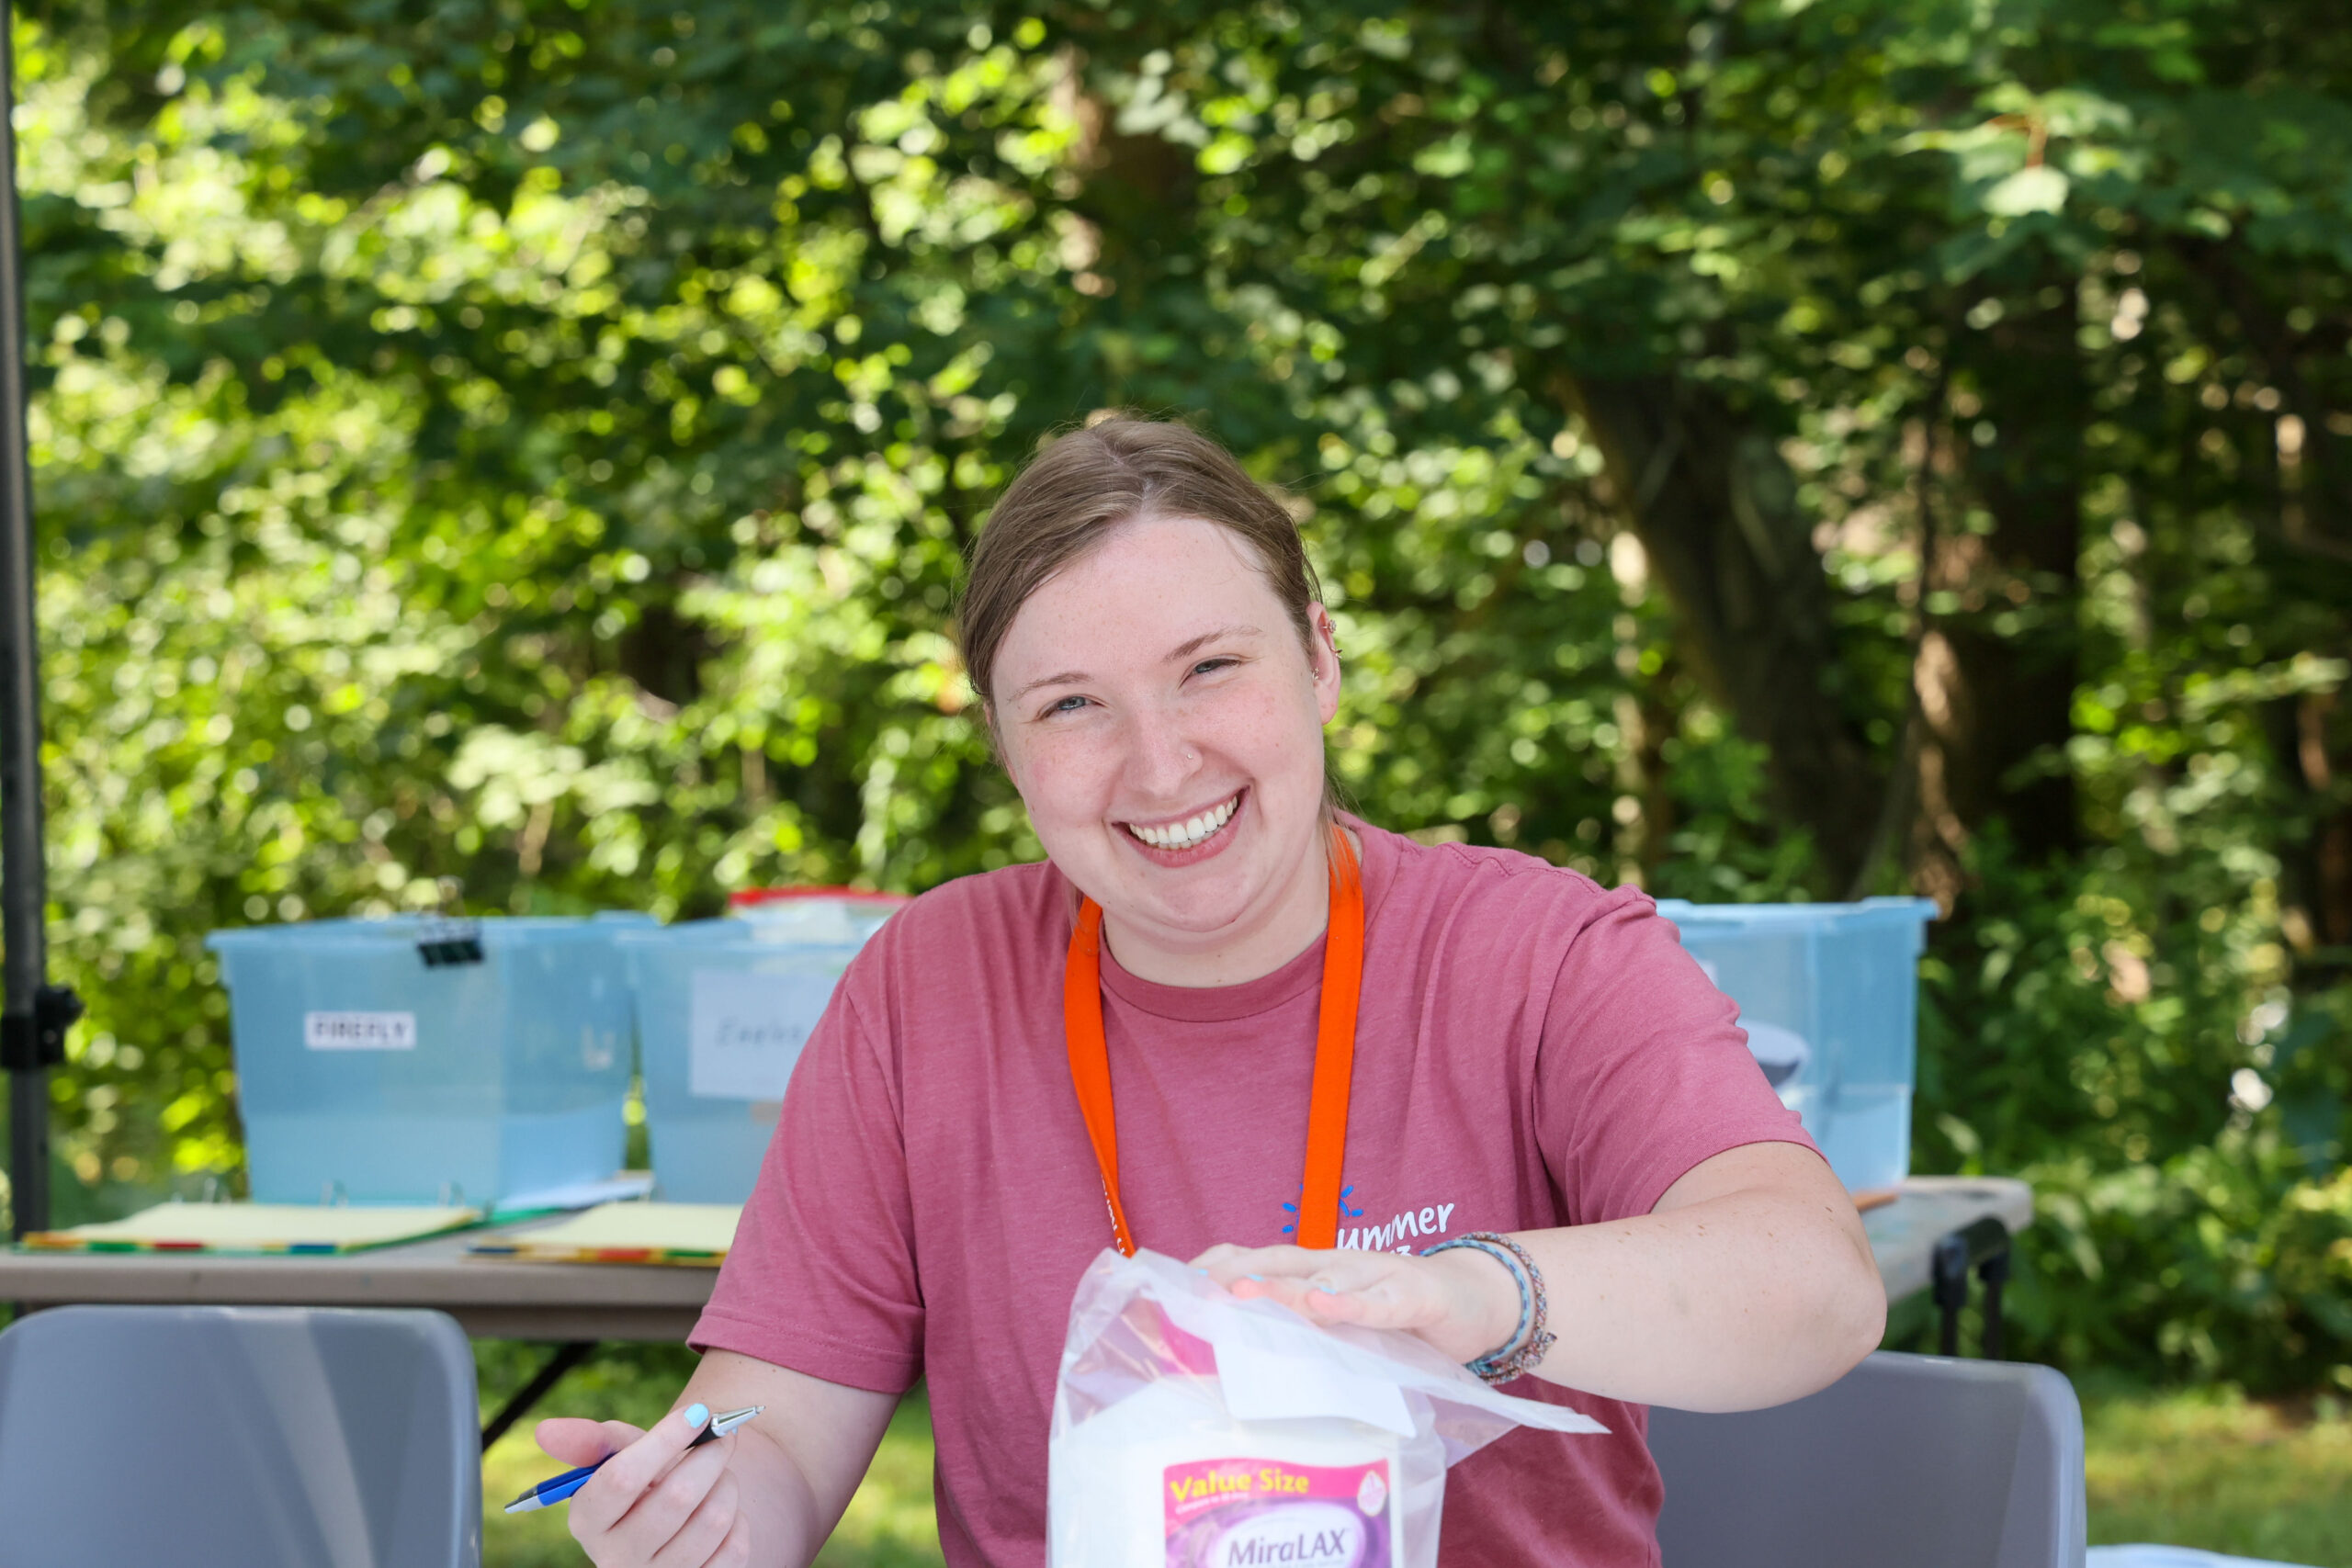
[752, 898]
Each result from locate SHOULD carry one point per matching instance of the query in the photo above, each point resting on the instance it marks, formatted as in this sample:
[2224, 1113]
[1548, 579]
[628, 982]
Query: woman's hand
[782, 1480]
[654, 1502]
[1462, 1301]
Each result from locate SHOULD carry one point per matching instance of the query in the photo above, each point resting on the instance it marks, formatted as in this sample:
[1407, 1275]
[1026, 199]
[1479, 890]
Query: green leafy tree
[1759, 450]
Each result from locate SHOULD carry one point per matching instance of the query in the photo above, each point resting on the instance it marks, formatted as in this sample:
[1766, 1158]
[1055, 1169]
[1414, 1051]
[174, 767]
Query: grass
[2210, 1468]
[2203, 1466]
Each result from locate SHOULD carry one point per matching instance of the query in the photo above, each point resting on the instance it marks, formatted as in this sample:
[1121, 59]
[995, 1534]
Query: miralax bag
[1195, 1430]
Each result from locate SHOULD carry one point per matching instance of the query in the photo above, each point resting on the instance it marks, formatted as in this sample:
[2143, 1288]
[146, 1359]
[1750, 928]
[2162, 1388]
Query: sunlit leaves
[537, 448]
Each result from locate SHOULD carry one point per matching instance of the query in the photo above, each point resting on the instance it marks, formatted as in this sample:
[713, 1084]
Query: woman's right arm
[769, 1495]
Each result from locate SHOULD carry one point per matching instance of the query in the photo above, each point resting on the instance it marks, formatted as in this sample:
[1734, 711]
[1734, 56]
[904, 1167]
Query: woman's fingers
[1229, 1265]
[698, 1540]
[1373, 1303]
[1377, 1289]
[575, 1441]
[1295, 1294]
[663, 1508]
[616, 1489]
[1453, 1300]
[735, 1551]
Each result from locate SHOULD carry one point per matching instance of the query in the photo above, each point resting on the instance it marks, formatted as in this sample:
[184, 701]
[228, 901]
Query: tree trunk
[1998, 695]
[2309, 736]
[1716, 510]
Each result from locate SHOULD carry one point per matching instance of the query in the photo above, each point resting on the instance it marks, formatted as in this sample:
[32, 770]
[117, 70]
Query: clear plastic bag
[1195, 1430]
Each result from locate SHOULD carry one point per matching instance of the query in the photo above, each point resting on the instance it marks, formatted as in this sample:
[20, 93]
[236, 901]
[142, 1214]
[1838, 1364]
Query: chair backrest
[241, 1437]
[1911, 1460]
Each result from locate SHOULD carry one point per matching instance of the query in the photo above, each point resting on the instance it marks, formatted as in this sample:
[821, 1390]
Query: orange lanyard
[1335, 1053]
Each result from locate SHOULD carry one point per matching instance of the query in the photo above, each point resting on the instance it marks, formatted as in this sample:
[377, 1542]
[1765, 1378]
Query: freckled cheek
[1065, 778]
[1265, 730]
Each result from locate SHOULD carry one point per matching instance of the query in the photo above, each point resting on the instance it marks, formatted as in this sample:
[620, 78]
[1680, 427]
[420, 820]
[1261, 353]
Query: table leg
[1949, 1275]
[1994, 1272]
[1984, 1246]
[567, 1356]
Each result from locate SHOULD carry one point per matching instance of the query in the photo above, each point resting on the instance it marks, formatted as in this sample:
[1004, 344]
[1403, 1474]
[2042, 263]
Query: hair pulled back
[1088, 482]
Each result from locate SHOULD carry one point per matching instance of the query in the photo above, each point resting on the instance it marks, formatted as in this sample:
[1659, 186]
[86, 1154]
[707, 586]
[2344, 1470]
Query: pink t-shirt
[1531, 1051]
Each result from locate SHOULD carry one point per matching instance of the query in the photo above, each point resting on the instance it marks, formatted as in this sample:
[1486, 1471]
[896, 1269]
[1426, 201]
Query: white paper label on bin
[746, 1031]
[359, 1031]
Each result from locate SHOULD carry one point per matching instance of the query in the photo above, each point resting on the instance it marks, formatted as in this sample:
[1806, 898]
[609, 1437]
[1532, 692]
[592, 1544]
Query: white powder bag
[1195, 1430]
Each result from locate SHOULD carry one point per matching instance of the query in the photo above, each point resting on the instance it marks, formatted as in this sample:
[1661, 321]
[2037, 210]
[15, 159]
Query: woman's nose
[1161, 757]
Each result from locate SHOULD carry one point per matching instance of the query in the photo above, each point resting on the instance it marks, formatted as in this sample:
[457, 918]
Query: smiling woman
[1222, 1019]
[1190, 741]
[1189, 738]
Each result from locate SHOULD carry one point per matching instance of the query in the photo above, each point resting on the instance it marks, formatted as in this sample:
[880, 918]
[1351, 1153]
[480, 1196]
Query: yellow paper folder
[256, 1227]
[689, 1233]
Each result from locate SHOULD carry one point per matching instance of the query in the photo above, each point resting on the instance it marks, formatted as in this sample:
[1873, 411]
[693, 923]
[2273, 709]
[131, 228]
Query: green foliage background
[534, 442]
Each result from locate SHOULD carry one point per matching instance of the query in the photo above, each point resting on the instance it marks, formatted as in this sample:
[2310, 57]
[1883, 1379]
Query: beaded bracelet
[1528, 1343]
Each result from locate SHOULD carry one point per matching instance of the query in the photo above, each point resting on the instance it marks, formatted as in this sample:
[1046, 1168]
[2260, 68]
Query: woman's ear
[1325, 648]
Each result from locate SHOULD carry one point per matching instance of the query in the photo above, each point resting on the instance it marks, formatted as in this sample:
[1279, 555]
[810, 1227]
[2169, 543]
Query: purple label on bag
[1252, 1513]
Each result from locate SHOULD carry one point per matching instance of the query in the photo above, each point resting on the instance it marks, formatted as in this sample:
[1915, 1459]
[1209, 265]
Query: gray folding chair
[1906, 1462]
[238, 1437]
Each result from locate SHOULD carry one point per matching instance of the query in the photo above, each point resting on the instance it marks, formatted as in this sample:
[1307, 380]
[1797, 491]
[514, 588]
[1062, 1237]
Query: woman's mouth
[1185, 840]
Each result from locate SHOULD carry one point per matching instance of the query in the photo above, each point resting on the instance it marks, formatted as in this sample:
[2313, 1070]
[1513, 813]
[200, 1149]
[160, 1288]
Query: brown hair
[1089, 481]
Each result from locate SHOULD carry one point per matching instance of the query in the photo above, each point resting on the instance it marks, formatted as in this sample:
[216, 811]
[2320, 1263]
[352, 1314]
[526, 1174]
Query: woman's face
[1164, 726]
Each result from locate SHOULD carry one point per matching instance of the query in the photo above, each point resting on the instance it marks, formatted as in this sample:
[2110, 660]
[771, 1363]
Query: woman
[1531, 1054]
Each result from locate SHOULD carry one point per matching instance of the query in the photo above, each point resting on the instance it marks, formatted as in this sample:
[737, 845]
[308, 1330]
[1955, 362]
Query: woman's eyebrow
[1067, 678]
[1184, 650]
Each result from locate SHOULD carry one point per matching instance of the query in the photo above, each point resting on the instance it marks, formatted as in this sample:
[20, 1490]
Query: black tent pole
[36, 1014]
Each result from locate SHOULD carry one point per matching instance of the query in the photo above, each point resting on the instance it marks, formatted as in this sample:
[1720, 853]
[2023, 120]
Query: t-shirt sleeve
[822, 1276]
[1644, 1072]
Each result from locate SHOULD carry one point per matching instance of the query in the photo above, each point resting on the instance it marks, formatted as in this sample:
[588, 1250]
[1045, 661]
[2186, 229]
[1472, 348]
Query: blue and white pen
[555, 1489]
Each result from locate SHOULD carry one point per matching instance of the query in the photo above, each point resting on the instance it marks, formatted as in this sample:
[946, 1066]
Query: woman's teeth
[1185, 835]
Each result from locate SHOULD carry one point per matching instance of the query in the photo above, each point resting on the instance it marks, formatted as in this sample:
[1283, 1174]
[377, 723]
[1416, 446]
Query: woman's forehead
[1149, 586]
[1152, 595]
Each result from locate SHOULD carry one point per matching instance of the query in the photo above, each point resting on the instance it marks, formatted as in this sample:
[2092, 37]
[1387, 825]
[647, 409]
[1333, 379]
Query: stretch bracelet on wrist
[1528, 1341]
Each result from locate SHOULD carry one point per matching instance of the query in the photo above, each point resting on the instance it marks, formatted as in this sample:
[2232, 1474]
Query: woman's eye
[1068, 705]
[1207, 666]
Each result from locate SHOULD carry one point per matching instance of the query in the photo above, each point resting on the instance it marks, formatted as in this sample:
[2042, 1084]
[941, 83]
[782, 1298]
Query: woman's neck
[1250, 949]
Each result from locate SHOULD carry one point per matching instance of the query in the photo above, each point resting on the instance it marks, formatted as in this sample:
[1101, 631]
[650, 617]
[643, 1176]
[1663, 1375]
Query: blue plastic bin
[1829, 995]
[723, 1008]
[366, 1074]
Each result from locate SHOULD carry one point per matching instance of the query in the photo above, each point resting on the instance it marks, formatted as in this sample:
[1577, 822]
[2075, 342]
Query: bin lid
[745, 899]
[493, 930]
[1869, 911]
[824, 915]
[748, 936]
[1729, 921]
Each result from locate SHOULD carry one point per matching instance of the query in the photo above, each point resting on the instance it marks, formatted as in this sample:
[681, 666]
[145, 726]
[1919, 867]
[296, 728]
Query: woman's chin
[1205, 910]
[1202, 919]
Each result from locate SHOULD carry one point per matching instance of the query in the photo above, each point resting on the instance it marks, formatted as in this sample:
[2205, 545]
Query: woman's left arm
[1749, 1283]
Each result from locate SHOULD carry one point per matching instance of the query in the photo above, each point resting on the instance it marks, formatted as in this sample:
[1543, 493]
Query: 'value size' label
[1255, 1513]
[359, 1031]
